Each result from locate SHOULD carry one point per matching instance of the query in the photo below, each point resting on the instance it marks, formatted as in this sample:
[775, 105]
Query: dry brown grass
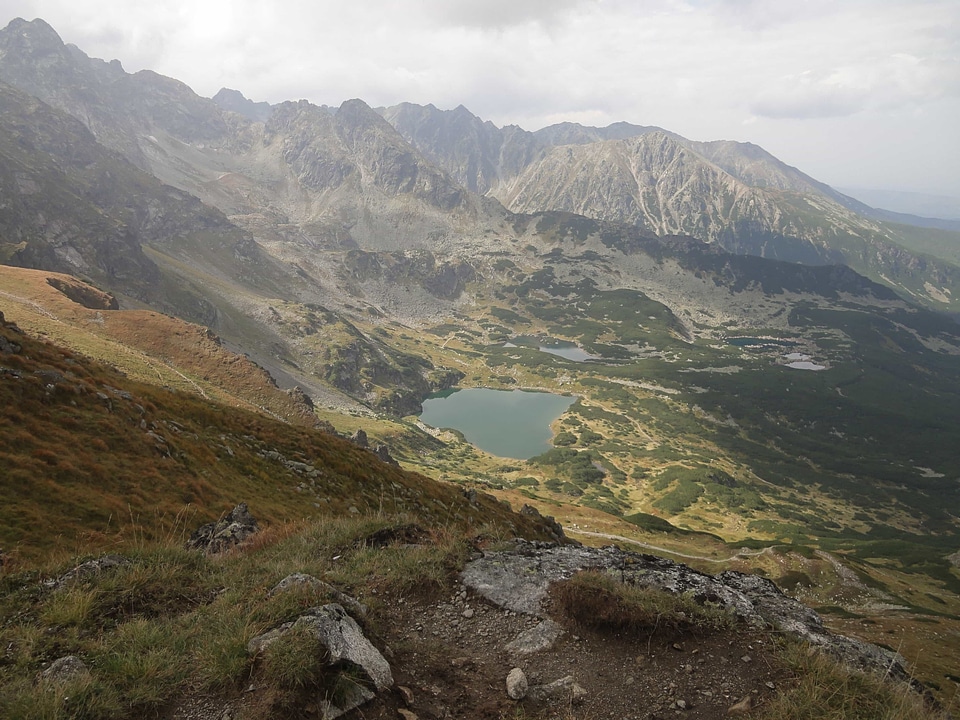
[598, 601]
[83, 464]
[146, 345]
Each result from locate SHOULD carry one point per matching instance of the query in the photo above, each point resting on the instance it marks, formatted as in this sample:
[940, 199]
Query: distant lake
[560, 348]
[799, 361]
[506, 423]
[750, 342]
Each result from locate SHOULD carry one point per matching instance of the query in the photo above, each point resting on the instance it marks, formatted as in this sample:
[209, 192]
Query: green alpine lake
[507, 423]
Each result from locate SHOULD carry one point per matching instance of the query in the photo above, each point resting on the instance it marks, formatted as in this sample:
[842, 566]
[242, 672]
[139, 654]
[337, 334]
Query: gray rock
[14, 330]
[518, 579]
[350, 695]
[537, 639]
[565, 688]
[65, 670]
[743, 707]
[517, 684]
[383, 453]
[345, 644]
[791, 616]
[9, 347]
[554, 528]
[226, 533]
[359, 438]
[86, 570]
[261, 642]
[300, 580]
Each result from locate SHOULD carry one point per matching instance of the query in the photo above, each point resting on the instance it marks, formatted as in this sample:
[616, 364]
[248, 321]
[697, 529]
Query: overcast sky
[854, 92]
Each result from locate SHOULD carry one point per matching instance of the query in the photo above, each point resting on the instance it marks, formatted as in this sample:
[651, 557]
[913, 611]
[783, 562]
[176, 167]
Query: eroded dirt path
[451, 656]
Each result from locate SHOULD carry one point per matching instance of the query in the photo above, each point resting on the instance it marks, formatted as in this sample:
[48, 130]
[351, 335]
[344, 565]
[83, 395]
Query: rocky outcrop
[302, 581]
[555, 528]
[359, 438]
[6, 345]
[346, 648]
[383, 454]
[226, 533]
[518, 580]
[88, 569]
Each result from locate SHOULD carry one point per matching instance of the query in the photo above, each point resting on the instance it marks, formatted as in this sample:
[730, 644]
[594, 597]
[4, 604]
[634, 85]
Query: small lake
[560, 348]
[799, 361]
[506, 423]
[759, 342]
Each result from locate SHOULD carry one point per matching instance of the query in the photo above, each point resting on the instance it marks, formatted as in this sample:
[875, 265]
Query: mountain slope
[360, 242]
[735, 194]
[145, 345]
[85, 450]
[69, 204]
[120, 109]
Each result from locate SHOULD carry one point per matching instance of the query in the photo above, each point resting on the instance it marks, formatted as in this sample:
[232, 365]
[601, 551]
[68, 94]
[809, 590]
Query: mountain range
[335, 266]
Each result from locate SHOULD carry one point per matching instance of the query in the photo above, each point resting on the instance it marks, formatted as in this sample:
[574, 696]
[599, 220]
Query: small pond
[799, 361]
[560, 348]
[759, 342]
[506, 423]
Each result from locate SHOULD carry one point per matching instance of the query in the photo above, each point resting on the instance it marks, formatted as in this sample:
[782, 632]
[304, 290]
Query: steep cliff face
[71, 205]
[121, 110]
[235, 102]
[666, 185]
[469, 149]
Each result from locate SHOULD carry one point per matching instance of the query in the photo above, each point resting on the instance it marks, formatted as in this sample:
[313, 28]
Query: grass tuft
[598, 601]
[825, 690]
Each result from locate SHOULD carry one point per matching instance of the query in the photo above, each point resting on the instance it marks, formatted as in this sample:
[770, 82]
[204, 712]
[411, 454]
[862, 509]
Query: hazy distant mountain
[120, 109]
[943, 207]
[920, 209]
[234, 101]
[735, 194]
[68, 203]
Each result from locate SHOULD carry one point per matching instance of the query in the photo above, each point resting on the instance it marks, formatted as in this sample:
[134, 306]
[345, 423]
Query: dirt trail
[658, 549]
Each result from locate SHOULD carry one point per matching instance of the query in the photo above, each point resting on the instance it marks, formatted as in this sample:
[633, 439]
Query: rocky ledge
[518, 580]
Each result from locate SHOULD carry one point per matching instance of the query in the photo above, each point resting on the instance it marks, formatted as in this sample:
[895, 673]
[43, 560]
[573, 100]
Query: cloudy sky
[857, 93]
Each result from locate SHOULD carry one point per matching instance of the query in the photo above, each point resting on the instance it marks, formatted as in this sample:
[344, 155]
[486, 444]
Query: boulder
[383, 453]
[346, 646]
[9, 347]
[301, 580]
[65, 670]
[359, 438]
[564, 688]
[226, 533]
[517, 684]
[553, 527]
[537, 639]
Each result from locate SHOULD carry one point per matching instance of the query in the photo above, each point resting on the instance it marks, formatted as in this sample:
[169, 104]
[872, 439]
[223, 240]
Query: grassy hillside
[166, 634]
[89, 456]
[145, 345]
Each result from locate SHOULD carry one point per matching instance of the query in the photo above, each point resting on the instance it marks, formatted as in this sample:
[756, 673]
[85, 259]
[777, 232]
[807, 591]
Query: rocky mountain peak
[33, 33]
[30, 51]
[570, 133]
[235, 101]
